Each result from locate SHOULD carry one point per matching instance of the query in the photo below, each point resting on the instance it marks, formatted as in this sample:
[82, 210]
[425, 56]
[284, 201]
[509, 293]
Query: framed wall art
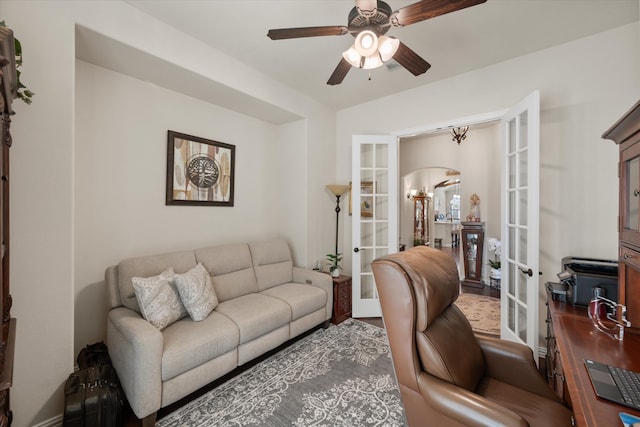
[199, 171]
[366, 199]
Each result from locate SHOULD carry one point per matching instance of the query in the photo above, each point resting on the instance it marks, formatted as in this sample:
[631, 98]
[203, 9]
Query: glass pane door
[520, 201]
[374, 209]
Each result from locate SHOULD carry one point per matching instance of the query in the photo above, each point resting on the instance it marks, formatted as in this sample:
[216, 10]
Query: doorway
[447, 168]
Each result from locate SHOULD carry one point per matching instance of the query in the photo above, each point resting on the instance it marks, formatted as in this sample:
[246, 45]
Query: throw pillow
[196, 291]
[158, 299]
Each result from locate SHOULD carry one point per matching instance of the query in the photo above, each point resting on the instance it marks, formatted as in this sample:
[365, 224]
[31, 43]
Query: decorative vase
[335, 272]
[495, 273]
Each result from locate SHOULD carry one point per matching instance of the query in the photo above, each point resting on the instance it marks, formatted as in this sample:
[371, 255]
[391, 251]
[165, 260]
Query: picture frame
[366, 202]
[200, 172]
[366, 206]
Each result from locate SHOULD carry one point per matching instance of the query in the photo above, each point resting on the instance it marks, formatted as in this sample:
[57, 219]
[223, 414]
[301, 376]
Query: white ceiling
[455, 43]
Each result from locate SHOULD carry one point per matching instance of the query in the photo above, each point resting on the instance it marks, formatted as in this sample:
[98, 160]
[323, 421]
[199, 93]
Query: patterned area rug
[482, 311]
[340, 376]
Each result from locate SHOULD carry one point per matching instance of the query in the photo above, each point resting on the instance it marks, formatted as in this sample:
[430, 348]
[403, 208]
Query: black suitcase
[92, 355]
[93, 398]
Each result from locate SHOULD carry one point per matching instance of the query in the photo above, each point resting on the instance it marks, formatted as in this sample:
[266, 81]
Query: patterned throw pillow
[158, 299]
[196, 292]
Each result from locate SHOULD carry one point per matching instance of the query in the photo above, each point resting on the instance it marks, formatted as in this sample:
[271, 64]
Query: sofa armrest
[135, 347]
[513, 363]
[320, 280]
[466, 407]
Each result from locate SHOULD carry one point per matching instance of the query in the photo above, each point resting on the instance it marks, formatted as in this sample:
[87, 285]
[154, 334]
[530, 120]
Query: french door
[374, 222]
[520, 295]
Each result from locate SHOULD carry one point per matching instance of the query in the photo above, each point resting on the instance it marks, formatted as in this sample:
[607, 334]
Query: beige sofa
[263, 301]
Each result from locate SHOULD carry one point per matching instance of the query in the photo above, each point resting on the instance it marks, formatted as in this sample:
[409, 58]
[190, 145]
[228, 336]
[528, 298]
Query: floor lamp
[337, 190]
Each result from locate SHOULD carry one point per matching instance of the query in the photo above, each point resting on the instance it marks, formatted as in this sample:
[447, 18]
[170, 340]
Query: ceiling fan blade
[410, 60]
[294, 33]
[339, 73]
[427, 9]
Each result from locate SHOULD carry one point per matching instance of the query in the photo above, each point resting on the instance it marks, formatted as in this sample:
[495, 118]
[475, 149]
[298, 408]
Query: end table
[341, 299]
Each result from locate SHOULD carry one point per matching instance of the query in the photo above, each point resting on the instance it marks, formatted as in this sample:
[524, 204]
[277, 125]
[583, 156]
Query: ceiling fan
[369, 21]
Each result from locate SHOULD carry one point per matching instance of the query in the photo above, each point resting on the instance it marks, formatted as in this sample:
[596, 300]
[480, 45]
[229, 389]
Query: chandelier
[459, 134]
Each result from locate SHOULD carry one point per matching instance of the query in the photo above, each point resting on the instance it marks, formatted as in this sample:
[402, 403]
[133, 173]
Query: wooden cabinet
[419, 220]
[630, 194]
[341, 299]
[472, 249]
[626, 133]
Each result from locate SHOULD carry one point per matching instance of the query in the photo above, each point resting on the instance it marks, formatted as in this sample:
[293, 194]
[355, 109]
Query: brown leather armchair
[447, 375]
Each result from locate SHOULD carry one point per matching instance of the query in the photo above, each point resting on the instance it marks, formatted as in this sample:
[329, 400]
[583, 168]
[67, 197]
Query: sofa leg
[149, 420]
[326, 324]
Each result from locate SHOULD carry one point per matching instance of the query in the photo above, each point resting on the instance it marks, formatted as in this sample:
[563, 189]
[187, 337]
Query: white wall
[585, 86]
[81, 202]
[120, 169]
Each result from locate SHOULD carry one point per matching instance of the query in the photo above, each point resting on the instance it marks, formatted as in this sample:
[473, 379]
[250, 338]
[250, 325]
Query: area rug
[482, 311]
[340, 376]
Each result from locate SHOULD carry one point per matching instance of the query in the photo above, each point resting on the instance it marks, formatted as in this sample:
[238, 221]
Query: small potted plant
[334, 267]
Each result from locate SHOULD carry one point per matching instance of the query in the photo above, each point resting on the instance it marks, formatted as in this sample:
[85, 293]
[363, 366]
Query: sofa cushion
[147, 266]
[303, 299]
[230, 268]
[255, 314]
[272, 262]
[158, 299]
[188, 344]
[196, 292]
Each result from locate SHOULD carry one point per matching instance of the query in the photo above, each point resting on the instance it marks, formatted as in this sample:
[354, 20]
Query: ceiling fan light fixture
[372, 61]
[387, 47]
[366, 43]
[352, 56]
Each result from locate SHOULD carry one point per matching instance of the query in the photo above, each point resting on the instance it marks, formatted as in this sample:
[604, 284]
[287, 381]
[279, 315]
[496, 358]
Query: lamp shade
[352, 56]
[366, 43]
[388, 46]
[337, 189]
[372, 61]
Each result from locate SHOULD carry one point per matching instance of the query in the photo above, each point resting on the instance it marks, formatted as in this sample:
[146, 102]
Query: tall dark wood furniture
[472, 249]
[626, 133]
[571, 338]
[8, 90]
[420, 226]
[341, 299]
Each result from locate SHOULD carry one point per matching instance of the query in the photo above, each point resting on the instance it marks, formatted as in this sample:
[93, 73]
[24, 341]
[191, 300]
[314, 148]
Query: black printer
[582, 275]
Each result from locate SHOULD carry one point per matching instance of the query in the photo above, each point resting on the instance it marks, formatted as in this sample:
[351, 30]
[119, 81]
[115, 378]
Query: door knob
[528, 272]
[356, 250]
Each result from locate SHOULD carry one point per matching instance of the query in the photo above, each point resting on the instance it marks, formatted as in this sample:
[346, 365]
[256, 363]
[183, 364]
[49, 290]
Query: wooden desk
[577, 339]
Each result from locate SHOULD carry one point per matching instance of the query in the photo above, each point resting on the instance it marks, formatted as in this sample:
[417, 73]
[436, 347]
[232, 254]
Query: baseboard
[51, 422]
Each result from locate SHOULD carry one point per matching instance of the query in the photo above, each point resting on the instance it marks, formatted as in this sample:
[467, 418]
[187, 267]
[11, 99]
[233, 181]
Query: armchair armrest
[135, 347]
[513, 363]
[320, 280]
[466, 407]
